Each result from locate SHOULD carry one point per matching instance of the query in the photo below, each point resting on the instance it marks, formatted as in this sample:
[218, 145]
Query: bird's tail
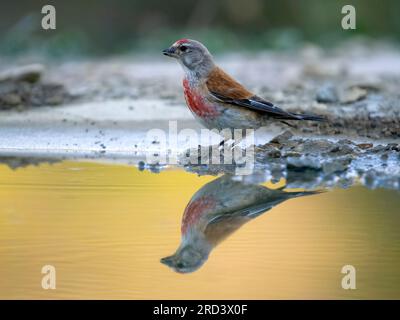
[295, 194]
[301, 193]
[311, 117]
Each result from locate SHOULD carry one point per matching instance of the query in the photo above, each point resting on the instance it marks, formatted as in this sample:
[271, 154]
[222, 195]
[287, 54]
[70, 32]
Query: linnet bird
[217, 100]
[216, 211]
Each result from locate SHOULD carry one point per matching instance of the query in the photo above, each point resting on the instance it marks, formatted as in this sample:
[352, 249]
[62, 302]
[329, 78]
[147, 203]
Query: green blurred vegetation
[104, 27]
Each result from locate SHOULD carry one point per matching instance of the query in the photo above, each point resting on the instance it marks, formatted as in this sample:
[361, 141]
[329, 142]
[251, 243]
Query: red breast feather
[195, 210]
[197, 103]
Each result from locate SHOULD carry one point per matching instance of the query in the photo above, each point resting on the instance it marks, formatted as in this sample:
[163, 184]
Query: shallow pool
[112, 231]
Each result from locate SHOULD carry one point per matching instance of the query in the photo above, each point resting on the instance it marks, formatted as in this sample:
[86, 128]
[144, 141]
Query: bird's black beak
[170, 52]
[168, 261]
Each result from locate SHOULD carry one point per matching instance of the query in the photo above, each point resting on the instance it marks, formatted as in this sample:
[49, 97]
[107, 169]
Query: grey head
[186, 259]
[192, 55]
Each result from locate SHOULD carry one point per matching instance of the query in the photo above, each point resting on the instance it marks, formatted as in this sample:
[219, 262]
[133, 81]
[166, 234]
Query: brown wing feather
[223, 84]
[226, 89]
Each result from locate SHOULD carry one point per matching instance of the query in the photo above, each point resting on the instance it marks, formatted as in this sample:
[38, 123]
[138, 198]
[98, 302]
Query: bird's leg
[226, 142]
[227, 134]
[237, 142]
[239, 137]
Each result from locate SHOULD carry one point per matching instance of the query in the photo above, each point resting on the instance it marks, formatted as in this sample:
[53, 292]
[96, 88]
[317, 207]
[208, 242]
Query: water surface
[105, 228]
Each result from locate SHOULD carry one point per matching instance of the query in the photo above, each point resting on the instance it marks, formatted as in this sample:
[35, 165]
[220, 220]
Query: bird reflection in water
[217, 210]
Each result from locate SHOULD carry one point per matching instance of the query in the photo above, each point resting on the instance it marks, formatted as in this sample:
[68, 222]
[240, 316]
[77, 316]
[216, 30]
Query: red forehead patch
[181, 41]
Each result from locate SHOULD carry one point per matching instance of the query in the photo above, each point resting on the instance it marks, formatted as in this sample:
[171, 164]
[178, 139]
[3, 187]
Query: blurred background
[104, 27]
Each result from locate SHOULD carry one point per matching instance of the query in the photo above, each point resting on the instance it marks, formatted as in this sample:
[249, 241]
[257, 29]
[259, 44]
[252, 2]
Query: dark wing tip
[311, 117]
[263, 106]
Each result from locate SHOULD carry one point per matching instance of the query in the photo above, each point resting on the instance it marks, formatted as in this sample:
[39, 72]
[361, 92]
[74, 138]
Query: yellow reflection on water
[105, 228]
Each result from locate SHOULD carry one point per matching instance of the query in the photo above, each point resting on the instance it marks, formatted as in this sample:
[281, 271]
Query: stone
[337, 165]
[341, 150]
[352, 94]
[365, 146]
[327, 94]
[282, 138]
[317, 146]
[29, 73]
[10, 99]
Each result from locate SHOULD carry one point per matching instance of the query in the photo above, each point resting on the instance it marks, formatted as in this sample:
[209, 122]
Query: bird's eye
[180, 265]
[183, 48]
